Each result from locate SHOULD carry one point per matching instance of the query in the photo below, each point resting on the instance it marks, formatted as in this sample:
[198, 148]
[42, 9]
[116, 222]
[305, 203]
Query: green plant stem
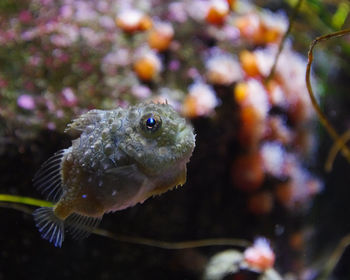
[25, 200]
[285, 36]
[334, 258]
[322, 117]
[12, 199]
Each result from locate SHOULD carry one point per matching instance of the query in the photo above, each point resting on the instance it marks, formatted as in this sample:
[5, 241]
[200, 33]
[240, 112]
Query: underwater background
[257, 175]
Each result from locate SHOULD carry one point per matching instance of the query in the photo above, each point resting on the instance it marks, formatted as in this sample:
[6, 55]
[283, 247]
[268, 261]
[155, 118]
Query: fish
[118, 158]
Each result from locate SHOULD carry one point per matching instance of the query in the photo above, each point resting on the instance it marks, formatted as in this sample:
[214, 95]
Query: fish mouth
[183, 131]
[186, 137]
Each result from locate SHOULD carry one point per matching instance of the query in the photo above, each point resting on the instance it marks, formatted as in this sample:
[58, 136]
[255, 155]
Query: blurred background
[258, 166]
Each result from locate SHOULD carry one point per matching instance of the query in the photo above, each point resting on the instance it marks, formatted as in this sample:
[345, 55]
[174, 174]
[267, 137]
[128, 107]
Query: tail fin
[50, 226]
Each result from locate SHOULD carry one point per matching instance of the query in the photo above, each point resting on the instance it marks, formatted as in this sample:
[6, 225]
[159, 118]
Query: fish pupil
[150, 123]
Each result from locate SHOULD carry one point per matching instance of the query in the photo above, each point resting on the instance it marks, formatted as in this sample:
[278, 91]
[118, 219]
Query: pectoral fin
[48, 180]
[81, 226]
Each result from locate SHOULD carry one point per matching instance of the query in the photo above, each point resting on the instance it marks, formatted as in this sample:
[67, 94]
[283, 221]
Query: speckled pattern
[119, 158]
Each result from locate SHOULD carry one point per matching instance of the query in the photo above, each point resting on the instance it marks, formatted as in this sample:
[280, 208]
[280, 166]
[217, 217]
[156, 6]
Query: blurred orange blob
[132, 21]
[147, 67]
[299, 112]
[217, 13]
[260, 203]
[240, 92]
[160, 36]
[253, 101]
[251, 129]
[272, 35]
[249, 63]
[296, 241]
[284, 193]
[190, 107]
[261, 31]
[200, 100]
[232, 3]
[247, 172]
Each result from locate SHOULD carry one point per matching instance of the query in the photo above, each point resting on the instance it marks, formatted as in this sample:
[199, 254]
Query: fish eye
[151, 122]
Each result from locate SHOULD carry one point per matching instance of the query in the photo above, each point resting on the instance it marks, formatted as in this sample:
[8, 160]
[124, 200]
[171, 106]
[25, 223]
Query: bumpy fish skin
[119, 158]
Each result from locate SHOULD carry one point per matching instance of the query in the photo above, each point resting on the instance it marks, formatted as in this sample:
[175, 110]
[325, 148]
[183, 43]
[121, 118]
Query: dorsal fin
[81, 226]
[78, 125]
[48, 179]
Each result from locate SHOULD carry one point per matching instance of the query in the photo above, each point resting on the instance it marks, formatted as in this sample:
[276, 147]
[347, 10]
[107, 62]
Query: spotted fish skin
[118, 158]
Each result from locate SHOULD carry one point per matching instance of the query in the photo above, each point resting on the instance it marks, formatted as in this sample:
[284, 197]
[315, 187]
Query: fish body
[118, 158]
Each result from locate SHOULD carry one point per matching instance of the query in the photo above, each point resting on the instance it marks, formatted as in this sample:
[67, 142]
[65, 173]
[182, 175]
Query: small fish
[119, 158]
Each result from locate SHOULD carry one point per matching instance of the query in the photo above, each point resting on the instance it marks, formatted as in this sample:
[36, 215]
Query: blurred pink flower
[26, 101]
[273, 156]
[130, 17]
[50, 105]
[84, 11]
[177, 12]
[66, 11]
[231, 33]
[198, 9]
[25, 16]
[223, 69]
[69, 99]
[34, 60]
[303, 185]
[260, 256]
[103, 6]
[193, 73]
[29, 34]
[51, 126]
[92, 37]
[46, 2]
[141, 92]
[106, 22]
[174, 65]
[59, 113]
[60, 40]
[120, 57]
[204, 99]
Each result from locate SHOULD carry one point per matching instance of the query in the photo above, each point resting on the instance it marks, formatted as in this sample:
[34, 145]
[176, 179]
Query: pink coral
[260, 256]
[26, 101]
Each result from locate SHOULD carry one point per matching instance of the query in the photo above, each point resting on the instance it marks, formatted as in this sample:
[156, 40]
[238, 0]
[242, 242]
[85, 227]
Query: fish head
[157, 138]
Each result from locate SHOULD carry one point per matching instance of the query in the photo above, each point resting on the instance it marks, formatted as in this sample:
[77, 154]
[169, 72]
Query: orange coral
[147, 67]
[249, 63]
[133, 20]
[217, 13]
[261, 30]
[160, 36]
